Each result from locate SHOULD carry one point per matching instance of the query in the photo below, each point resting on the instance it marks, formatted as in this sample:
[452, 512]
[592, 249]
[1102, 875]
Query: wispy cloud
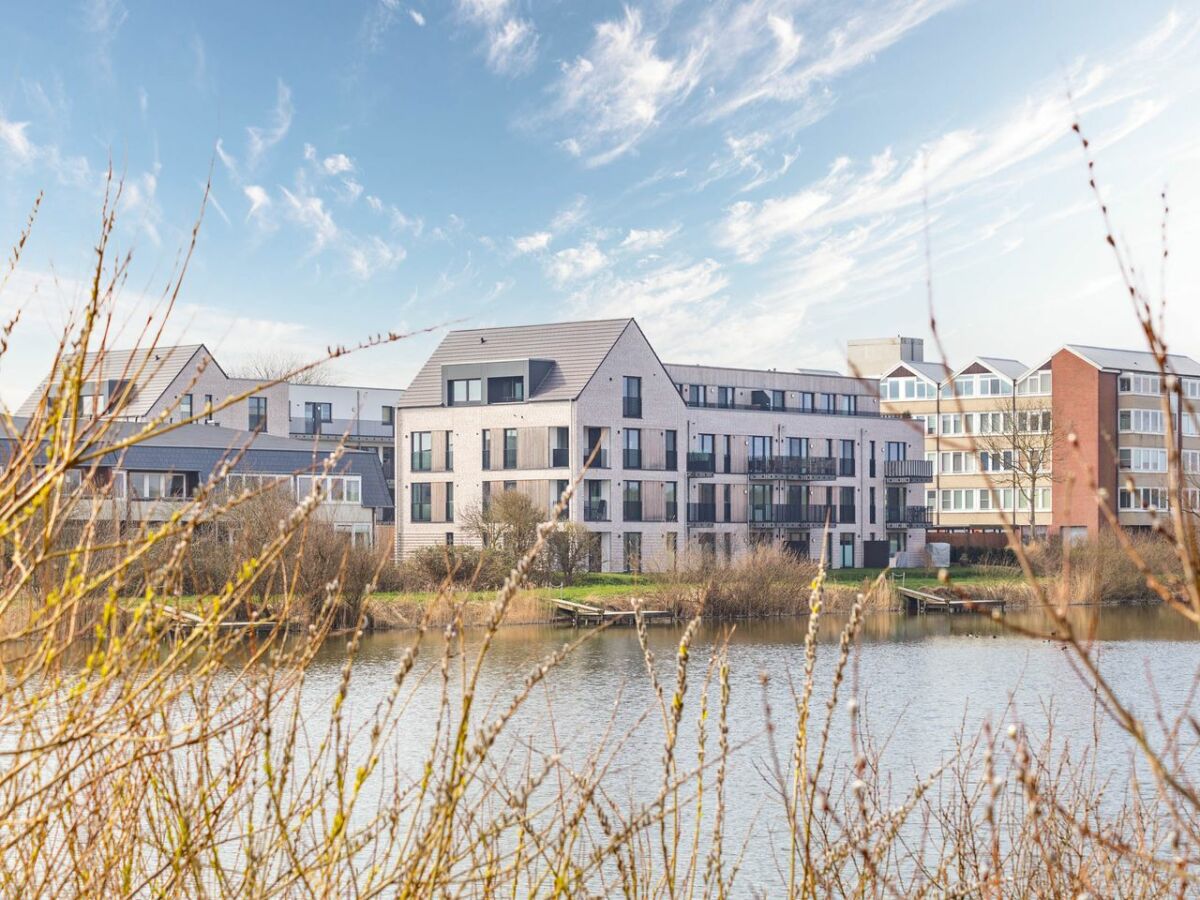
[374, 255]
[260, 200]
[15, 139]
[417, 17]
[262, 138]
[25, 153]
[510, 42]
[531, 243]
[103, 20]
[309, 212]
[575, 263]
[640, 240]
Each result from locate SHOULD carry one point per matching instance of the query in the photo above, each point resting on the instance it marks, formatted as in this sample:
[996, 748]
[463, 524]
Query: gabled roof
[154, 367]
[576, 350]
[930, 371]
[1132, 360]
[1009, 368]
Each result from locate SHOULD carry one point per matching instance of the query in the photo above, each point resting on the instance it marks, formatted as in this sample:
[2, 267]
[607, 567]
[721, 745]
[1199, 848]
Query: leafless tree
[270, 365]
[569, 548]
[1016, 440]
[508, 522]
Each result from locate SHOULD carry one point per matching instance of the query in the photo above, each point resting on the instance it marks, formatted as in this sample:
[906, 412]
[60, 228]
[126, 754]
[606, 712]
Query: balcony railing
[846, 514]
[600, 461]
[909, 516]
[845, 467]
[701, 513]
[701, 464]
[560, 458]
[631, 407]
[908, 471]
[672, 461]
[595, 511]
[795, 468]
[763, 407]
[633, 511]
[793, 514]
[632, 459]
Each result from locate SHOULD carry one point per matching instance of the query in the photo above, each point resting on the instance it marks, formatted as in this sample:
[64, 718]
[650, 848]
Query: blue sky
[747, 178]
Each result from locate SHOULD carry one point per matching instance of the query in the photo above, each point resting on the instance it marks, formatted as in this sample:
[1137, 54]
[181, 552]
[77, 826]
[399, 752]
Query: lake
[920, 682]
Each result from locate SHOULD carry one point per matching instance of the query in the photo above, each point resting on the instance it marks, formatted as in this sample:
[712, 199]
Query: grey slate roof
[1010, 368]
[1133, 360]
[935, 372]
[202, 448]
[158, 367]
[576, 348]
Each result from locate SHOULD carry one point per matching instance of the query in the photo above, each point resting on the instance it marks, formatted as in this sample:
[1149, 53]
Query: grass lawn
[923, 578]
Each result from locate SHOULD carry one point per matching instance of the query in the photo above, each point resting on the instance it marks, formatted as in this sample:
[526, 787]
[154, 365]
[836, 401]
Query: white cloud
[511, 42]
[263, 137]
[336, 164]
[375, 203]
[618, 90]
[309, 212]
[139, 201]
[103, 19]
[15, 140]
[640, 240]
[260, 201]
[575, 263]
[373, 256]
[570, 216]
[531, 243]
[417, 17]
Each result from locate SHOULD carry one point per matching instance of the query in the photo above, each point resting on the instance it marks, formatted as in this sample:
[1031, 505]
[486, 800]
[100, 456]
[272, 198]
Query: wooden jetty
[923, 601]
[583, 614]
[182, 619]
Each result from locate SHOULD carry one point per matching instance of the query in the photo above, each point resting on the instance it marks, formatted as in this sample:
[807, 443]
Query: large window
[463, 390]
[632, 542]
[449, 501]
[422, 451]
[1140, 421]
[335, 488]
[509, 389]
[633, 501]
[725, 397]
[258, 414]
[315, 414]
[671, 441]
[449, 451]
[633, 448]
[185, 406]
[510, 448]
[631, 396]
[671, 501]
[422, 502]
[1144, 459]
[157, 485]
[487, 449]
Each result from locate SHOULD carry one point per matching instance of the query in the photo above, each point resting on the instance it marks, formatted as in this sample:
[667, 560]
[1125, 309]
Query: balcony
[763, 407]
[793, 468]
[701, 465]
[908, 516]
[908, 471]
[560, 458]
[600, 461]
[633, 511]
[701, 513]
[356, 429]
[595, 511]
[792, 514]
[631, 407]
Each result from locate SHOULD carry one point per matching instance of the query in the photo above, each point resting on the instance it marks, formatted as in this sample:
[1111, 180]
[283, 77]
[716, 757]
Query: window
[1191, 461]
[672, 539]
[560, 447]
[509, 389]
[185, 406]
[237, 482]
[421, 502]
[449, 501]
[846, 460]
[671, 440]
[631, 396]
[1146, 385]
[1034, 422]
[1143, 498]
[996, 462]
[952, 424]
[807, 401]
[387, 415]
[632, 545]
[671, 501]
[258, 414]
[315, 414]
[760, 447]
[959, 462]
[846, 505]
[1037, 383]
[487, 449]
[847, 547]
[849, 404]
[208, 407]
[510, 448]
[463, 390]
[697, 395]
[157, 486]
[633, 448]
[826, 402]
[777, 400]
[449, 451]
[334, 488]
[871, 506]
[1145, 459]
[1140, 421]
[422, 451]
[449, 538]
[725, 397]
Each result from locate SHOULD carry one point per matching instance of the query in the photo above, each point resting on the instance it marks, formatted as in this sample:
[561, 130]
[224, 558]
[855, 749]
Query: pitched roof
[576, 350]
[1009, 368]
[931, 371]
[154, 367]
[1132, 360]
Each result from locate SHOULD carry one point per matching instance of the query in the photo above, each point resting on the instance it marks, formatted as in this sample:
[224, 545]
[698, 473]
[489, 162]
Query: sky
[757, 182]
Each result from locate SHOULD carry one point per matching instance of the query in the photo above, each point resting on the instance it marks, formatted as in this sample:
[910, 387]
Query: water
[921, 681]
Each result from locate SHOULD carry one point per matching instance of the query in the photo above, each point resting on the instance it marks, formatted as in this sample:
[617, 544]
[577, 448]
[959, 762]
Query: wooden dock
[583, 614]
[923, 601]
[181, 619]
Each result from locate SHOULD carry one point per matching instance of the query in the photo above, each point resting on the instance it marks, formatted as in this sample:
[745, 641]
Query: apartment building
[151, 481]
[995, 435]
[175, 382]
[681, 457]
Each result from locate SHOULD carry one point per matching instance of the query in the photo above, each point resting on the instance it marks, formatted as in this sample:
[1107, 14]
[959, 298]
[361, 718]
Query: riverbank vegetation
[144, 759]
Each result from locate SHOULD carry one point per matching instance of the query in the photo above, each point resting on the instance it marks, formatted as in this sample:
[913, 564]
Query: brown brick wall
[1084, 402]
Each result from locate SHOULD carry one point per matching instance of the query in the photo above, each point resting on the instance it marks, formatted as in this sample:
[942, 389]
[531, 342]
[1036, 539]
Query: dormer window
[463, 390]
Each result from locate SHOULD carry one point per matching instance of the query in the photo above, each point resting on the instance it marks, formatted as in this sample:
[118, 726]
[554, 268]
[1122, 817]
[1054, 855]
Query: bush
[463, 566]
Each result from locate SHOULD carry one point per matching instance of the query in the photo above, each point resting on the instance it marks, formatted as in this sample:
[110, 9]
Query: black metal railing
[631, 407]
[595, 511]
[600, 461]
[700, 463]
[845, 467]
[800, 468]
[632, 459]
[766, 407]
[672, 460]
[560, 458]
[846, 514]
[908, 470]
[793, 514]
[917, 516]
[701, 513]
[633, 511]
